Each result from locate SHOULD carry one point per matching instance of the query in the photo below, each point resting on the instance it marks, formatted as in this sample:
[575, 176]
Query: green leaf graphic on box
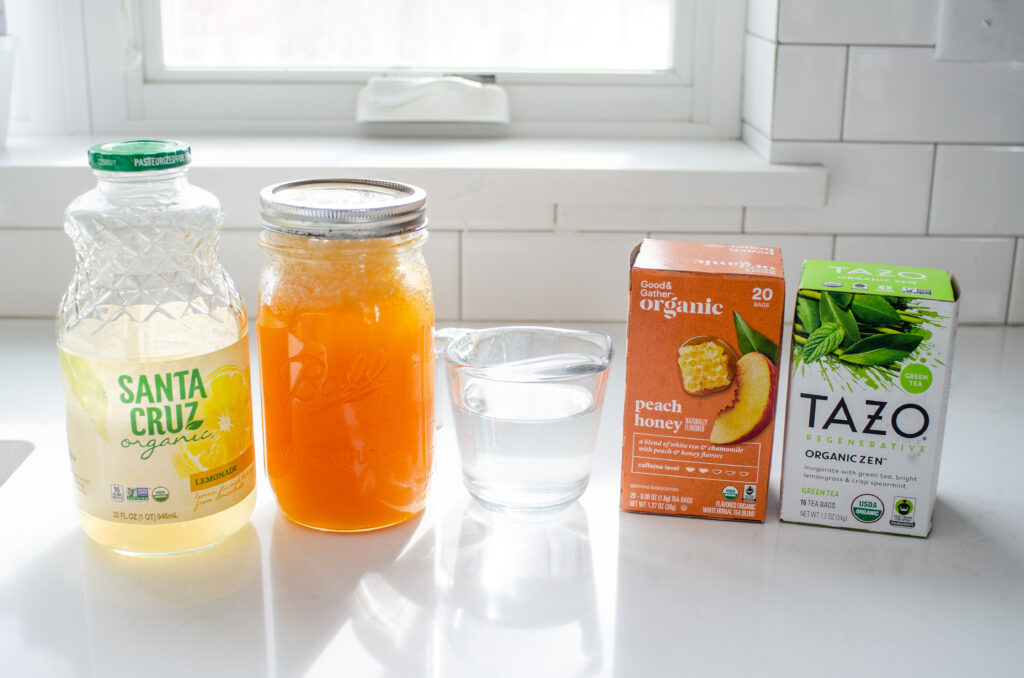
[807, 313]
[842, 299]
[193, 425]
[882, 349]
[830, 311]
[822, 341]
[750, 340]
[872, 310]
[87, 389]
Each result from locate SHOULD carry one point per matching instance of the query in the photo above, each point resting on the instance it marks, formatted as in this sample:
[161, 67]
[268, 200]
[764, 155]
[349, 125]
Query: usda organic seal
[867, 508]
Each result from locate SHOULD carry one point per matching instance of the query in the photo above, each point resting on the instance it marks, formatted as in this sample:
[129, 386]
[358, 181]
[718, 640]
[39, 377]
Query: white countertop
[591, 592]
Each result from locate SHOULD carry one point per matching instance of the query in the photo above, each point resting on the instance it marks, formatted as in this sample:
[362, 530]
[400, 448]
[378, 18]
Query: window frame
[699, 97]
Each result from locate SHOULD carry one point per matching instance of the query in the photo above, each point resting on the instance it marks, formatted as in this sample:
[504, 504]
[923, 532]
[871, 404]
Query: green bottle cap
[139, 155]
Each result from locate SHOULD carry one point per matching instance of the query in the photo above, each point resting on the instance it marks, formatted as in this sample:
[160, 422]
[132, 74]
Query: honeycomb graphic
[704, 367]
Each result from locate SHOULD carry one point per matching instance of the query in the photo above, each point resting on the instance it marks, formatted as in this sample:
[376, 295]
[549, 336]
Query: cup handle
[442, 404]
[445, 336]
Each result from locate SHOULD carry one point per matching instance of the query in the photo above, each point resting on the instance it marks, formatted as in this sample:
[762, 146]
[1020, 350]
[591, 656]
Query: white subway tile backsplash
[904, 94]
[858, 22]
[978, 191]
[763, 18]
[36, 266]
[454, 216]
[33, 203]
[981, 265]
[980, 30]
[546, 277]
[915, 146]
[1016, 314]
[677, 218]
[809, 83]
[873, 188]
[240, 196]
[443, 260]
[758, 83]
[795, 249]
[242, 257]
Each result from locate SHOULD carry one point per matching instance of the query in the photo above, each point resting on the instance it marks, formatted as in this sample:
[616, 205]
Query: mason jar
[345, 337]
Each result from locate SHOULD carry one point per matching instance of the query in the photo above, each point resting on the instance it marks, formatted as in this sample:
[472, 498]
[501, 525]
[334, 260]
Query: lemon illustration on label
[87, 389]
[227, 415]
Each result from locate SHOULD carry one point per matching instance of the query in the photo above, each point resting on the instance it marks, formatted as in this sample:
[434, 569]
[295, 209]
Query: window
[328, 37]
[570, 67]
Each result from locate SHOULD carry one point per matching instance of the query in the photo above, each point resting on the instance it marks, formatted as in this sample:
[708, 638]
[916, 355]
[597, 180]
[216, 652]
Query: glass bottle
[345, 337]
[153, 344]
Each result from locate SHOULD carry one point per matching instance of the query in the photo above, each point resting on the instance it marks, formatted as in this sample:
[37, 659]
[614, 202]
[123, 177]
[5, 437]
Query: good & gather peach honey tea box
[705, 323]
[869, 381]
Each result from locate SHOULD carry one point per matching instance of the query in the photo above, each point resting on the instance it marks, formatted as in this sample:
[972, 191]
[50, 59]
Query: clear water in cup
[527, 430]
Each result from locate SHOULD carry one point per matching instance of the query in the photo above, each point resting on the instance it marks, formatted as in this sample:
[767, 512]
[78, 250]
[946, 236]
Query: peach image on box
[752, 409]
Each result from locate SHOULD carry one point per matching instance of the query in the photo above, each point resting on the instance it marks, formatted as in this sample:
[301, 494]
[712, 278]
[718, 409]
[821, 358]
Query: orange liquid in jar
[346, 358]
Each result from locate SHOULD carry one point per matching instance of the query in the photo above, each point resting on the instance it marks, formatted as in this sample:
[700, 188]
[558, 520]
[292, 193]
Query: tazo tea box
[868, 386]
[705, 322]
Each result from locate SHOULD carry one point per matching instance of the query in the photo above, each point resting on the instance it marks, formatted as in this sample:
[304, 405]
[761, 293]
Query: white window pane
[447, 35]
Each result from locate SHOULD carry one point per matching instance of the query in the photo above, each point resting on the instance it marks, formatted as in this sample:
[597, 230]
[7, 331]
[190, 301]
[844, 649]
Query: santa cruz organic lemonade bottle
[154, 349]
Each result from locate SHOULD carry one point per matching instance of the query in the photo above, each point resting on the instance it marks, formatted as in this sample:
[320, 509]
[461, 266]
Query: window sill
[41, 175]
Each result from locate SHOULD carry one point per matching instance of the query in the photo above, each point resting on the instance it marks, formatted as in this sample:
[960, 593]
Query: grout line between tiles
[775, 84]
[892, 142]
[462, 276]
[846, 85]
[931, 193]
[1013, 277]
[856, 44]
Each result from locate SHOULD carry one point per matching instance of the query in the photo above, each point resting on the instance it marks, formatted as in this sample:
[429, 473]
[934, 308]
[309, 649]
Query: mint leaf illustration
[823, 341]
[831, 311]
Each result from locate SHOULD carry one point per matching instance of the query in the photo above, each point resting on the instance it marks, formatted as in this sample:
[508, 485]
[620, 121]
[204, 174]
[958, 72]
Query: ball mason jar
[345, 337]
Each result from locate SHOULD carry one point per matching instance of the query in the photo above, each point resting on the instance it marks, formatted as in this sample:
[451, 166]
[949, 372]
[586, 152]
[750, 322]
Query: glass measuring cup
[526, 404]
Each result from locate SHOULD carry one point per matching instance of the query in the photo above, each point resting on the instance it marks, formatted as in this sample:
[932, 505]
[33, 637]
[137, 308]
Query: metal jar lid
[343, 209]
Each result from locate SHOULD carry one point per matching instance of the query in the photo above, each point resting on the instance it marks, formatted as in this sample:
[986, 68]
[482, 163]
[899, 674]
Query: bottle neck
[150, 181]
[148, 222]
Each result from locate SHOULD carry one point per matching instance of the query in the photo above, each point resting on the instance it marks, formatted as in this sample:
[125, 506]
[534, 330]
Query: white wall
[923, 145]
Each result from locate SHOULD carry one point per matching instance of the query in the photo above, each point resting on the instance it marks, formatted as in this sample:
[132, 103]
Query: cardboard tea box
[869, 380]
[702, 357]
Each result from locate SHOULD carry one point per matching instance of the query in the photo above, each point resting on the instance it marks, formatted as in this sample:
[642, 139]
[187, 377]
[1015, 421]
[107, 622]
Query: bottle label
[160, 442]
